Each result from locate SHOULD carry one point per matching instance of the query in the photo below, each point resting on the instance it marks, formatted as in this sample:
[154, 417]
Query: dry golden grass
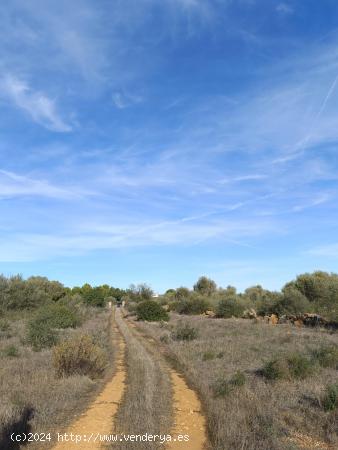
[260, 414]
[29, 386]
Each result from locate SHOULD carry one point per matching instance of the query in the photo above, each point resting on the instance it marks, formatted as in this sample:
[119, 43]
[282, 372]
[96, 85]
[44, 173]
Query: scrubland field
[33, 396]
[245, 408]
[36, 394]
[234, 371]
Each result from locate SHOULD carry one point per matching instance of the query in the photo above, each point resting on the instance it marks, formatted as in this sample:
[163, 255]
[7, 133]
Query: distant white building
[155, 295]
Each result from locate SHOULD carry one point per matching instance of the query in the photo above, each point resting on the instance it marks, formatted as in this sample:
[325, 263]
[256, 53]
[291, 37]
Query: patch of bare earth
[187, 416]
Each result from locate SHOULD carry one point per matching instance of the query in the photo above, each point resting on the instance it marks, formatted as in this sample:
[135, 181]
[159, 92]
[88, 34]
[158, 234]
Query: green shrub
[192, 305]
[5, 328]
[207, 356]
[79, 356]
[330, 398]
[292, 302]
[238, 379]
[289, 367]
[205, 286]
[4, 325]
[300, 366]
[230, 307]
[184, 332]
[10, 351]
[94, 297]
[164, 338]
[266, 305]
[222, 387]
[151, 311]
[58, 316]
[182, 293]
[276, 369]
[327, 356]
[40, 335]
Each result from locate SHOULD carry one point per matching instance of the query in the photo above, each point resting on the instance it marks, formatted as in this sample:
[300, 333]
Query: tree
[151, 311]
[195, 304]
[321, 289]
[182, 293]
[205, 286]
[254, 293]
[140, 292]
[93, 296]
[17, 293]
[292, 302]
[230, 307]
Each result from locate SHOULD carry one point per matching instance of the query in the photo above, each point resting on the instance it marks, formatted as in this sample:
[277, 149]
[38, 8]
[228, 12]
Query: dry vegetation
[146, 405]
[244, 409]
[29, 385]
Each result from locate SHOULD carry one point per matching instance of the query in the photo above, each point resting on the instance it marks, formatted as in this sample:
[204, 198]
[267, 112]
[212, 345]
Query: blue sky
[160, 140]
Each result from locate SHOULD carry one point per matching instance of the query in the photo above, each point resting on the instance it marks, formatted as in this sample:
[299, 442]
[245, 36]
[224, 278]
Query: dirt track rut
[98, 419]
[188, 418]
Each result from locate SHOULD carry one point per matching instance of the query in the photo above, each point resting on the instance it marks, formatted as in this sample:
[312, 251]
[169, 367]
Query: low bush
[40, 335]
[330, 398]
[266, 305]
[4, 325]
[184, 332]
[238, 379]
[93, 296]
[164, 338]
[327, 356]
[5, 329]
[292, 302]
[192, 305]
[222, 386]
[230, 307]
[207, 356]
[300, 366]
[10, 351]
[151, 311]
[79, 356]
[294, 366]
[276, 369]
[58, 316]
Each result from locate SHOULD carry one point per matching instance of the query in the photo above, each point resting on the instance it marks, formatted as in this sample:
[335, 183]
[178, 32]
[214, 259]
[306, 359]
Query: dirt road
[188, 418]
[99, 418]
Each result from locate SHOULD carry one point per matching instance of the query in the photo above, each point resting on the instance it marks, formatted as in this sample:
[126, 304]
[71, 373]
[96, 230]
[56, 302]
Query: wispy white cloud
[14, 185]
[91, 237]
[122, 100]
[315, 201]
[37, 105]
[284, 8]
[210, 159]
[239, 178]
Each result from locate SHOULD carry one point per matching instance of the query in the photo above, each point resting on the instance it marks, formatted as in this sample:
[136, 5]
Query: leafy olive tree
[205, 286]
